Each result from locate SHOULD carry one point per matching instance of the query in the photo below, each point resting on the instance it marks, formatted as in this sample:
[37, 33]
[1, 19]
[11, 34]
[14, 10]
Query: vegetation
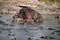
[49, 1]
[1, 3]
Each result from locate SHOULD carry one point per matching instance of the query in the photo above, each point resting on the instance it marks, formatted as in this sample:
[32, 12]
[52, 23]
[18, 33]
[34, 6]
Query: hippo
[28, 13]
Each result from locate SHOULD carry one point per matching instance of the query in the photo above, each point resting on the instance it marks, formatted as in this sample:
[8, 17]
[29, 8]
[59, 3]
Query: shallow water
[22, 32]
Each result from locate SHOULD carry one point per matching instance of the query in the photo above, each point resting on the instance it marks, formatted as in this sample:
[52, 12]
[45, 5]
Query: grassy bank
[1, 3]
[50, 1]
